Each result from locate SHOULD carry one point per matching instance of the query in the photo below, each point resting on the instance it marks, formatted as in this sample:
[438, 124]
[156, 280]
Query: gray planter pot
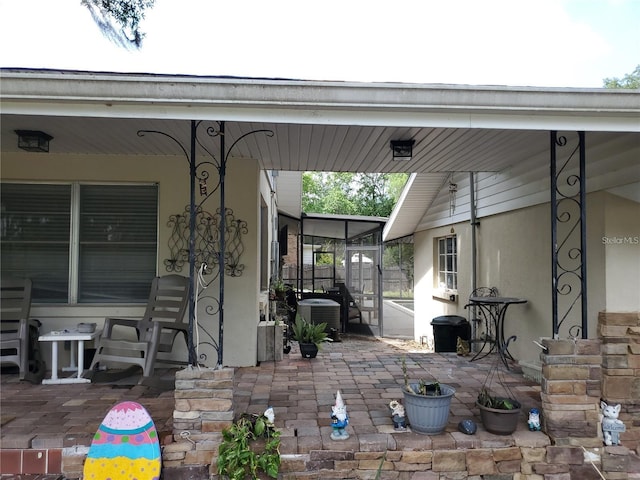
[499, 421]
[428, 414]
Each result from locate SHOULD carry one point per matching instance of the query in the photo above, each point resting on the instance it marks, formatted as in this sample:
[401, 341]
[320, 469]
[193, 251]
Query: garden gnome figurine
[534, 420]
[398, 416]
[270, 415]
[339, 419]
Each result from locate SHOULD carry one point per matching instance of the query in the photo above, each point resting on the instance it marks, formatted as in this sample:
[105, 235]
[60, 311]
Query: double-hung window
[80, 243]
[448, 263]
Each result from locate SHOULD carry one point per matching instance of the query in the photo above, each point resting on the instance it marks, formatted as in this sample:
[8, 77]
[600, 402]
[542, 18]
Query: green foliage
[399, 254]
[422, 387]
[277, 285]
[486, 399]
[307, 332]
[428, 388]
[128, 14]
[630, 80]
[369, 194]
[240, 456]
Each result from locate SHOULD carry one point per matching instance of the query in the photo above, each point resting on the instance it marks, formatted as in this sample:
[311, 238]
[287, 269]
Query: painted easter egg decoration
[125, 446]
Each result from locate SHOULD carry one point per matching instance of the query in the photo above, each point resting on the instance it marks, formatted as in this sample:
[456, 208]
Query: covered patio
[490, 141]
[48, 428]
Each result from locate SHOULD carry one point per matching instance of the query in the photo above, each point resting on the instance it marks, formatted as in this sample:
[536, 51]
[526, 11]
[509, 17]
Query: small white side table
[77, 340]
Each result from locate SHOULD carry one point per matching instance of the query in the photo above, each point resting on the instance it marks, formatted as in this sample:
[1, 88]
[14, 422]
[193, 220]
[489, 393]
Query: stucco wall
[621, 244]
[172, 175]
[514, 255]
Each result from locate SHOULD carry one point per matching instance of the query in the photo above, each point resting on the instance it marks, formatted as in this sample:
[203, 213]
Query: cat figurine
[611, 425]
[462, 347]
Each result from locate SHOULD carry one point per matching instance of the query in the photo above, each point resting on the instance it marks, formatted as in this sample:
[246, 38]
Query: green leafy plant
[277, 288]
[490, 401]
[431, 389]
[249, 446]
[307, 332]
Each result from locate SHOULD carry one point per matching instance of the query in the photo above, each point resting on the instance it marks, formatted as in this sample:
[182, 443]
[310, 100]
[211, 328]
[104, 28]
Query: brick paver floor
[366, 370]
[368, 373]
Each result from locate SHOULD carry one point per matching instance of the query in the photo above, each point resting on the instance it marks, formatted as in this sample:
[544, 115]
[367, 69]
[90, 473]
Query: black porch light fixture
[402, 149]
[33, 140]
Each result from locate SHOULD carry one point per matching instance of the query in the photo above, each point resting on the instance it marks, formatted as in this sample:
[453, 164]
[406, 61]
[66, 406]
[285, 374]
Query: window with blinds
[81, 243]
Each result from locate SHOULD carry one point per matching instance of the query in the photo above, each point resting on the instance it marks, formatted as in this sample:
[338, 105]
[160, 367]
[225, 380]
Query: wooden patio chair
[155, 333]
[18, 333]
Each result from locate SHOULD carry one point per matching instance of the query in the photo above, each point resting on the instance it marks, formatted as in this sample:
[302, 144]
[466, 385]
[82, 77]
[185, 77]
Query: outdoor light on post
[33, 140]
[402, 149]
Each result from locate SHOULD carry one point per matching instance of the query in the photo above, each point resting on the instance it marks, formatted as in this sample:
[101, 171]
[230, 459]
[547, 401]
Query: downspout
[474, 224]
[275, 228]
[474, 253]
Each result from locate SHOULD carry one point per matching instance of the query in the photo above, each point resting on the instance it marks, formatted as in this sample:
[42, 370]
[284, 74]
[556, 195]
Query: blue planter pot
[428, 414]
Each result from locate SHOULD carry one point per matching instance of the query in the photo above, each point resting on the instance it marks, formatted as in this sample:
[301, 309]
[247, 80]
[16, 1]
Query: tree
[399, 254]
[370, 194]
[128, 14]
[630, 80]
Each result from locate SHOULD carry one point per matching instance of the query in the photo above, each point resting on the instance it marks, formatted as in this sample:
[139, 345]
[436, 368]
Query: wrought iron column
[568, 232]
[192, 243]
[209, 234]
[222, 172]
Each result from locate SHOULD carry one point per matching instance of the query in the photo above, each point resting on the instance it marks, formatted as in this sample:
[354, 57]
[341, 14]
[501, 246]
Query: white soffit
[289, 192]
[417, 196]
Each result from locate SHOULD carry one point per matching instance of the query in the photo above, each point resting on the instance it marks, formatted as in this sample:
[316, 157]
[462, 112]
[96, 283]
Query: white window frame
[74, 232]
[442, 253]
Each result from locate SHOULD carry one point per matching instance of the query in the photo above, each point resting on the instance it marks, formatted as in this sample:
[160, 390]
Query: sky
[543, 43]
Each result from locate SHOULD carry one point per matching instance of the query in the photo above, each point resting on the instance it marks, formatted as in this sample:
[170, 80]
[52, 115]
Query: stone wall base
[509, 463]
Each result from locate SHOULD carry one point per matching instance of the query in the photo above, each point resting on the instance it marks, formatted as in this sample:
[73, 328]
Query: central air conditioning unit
[319, 310]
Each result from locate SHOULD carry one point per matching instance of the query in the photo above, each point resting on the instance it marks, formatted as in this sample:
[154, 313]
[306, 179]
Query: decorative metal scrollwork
[568, 232]
[207, 227]
[198, 237]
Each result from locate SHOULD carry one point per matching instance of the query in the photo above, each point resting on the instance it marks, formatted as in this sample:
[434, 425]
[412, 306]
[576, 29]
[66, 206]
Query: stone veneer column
[204, 407]
[620, 333]
[571, 372]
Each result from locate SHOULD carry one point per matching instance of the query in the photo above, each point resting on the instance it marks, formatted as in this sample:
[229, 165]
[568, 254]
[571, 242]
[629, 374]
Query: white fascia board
[339, 103]
[391, 226]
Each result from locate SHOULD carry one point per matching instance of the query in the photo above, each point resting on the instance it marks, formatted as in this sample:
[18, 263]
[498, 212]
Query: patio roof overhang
[322, 126]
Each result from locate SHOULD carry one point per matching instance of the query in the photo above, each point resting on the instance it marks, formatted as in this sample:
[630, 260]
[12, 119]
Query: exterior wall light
[33, 140]
[402, 149]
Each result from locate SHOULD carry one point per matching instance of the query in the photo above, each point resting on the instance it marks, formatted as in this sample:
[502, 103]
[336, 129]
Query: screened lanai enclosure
[337, 266]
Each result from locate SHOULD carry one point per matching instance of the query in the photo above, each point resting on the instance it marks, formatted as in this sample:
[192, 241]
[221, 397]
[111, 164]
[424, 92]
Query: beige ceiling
[293, 147]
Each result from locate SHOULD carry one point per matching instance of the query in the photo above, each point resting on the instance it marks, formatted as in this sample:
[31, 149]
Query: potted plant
[309, 335]
[277, 289]
[499, 414]
[427, 404]
[250, 448]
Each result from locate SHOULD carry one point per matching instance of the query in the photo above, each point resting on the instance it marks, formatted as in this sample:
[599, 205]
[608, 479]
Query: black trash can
[447, 329]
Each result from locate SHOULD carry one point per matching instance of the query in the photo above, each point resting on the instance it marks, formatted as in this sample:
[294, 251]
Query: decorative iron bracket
[207, 241]
[568, 232]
